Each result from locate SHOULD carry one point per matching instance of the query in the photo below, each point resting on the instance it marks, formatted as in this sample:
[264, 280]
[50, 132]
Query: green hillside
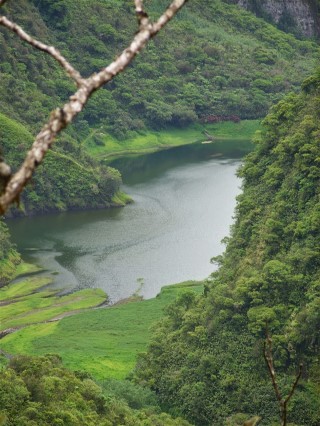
[206, 359]
[214, 60]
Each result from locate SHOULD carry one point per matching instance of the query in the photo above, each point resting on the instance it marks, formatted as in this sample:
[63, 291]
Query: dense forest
[205, 363]
[206, 359]
[217, 59]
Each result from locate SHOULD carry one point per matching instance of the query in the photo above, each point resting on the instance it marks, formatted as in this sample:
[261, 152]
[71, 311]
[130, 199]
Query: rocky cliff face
[303, 14]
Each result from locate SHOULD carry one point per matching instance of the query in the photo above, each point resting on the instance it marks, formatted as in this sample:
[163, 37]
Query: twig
[61, 117]
[142, 16]
[51, 50]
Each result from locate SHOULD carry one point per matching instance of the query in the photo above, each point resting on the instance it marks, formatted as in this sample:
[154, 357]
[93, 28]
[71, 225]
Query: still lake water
[184, 200]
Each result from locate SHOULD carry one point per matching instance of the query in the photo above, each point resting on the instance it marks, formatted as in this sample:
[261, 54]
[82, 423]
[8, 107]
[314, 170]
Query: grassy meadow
[103, 342]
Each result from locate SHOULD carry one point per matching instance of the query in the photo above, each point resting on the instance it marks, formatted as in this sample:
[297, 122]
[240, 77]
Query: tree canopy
[38, 390]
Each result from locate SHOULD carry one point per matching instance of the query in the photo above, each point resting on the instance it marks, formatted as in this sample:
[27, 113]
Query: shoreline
[149, 141]
[120, 199]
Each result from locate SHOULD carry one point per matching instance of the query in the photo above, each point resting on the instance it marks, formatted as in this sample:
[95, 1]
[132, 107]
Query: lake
[184, 199]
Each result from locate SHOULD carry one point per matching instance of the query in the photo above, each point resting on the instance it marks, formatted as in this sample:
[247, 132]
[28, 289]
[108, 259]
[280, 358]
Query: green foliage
[205, 361]
[36, 391]
[136, 396]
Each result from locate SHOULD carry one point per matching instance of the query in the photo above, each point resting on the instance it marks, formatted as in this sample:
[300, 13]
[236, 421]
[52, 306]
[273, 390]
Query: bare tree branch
[269, 360]
[139, 41]
[51, 50]
[61, 117]
[283, 403]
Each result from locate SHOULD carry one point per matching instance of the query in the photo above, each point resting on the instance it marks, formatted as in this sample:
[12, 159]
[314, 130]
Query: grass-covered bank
[104, 146]
[29, 301]
[103, 342]
[120, 199]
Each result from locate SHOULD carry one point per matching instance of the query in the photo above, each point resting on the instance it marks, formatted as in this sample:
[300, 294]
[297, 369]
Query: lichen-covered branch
[61, 117]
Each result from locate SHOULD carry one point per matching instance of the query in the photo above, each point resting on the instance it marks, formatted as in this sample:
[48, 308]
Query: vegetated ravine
[183, 204]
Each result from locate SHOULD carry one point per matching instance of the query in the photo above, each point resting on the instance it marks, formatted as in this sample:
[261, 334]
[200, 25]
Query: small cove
[184, 200]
